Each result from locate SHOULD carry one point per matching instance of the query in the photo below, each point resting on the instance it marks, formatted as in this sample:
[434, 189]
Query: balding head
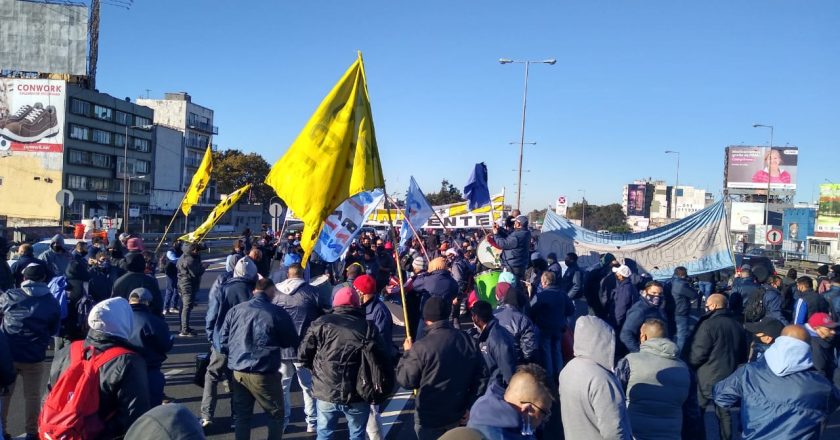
[797, 332]
[653, 328]
[716, 301]
[528, 384]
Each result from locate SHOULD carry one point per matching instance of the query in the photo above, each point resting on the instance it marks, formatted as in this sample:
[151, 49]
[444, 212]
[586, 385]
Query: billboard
[45, 37]
[752, 167]
[636, 200]
[797, 225]
[744, 214]
[828, 215]
[31, 147]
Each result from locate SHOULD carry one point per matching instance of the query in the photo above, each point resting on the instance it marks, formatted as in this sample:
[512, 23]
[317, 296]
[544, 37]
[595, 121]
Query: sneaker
[205, 423]
[310, 429]
[187, 334]
[164, 312]
[37, 124]
[20, 114]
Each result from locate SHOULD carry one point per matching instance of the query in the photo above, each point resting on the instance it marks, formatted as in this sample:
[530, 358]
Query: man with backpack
[112, 398]
[31, 316]
[150, 334]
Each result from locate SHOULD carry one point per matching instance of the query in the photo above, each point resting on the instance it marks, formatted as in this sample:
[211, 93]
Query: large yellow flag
[199, 182]
[214, 216]
[333, 158]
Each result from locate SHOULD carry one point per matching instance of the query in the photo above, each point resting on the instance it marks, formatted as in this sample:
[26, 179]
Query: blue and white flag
[700, 243]
[345, 223]
[417, 211]
[476, 191]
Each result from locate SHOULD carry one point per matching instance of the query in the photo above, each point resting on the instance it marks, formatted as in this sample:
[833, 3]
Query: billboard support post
[769, 179]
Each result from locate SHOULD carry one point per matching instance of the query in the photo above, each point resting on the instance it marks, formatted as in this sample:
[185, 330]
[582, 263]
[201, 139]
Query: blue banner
[345, 223]
[700, 243]
[417, 211]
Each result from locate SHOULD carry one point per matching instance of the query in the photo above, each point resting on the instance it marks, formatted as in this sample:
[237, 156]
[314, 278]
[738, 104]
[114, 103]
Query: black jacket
[77, 274]
[7, 367]
[134, 278]
[101, 283]
[7, 280]
[639, 312]
[331, 349]
[21, 263]
[499, 351]
[446, 369]
[525, 334]
[719, 344]
[150, 334]
[549, 310]
[190, 271]
[683, 295]
[123, 383]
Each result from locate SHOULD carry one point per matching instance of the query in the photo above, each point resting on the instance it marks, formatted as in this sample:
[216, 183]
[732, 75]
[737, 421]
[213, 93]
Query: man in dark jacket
[496, 344]
[25, 258]
[7, 280]
[190, 270]
[623, 297]
[649, 306]
[8, 374]
[332, 350]
[445, 368]
[376, 313]
[808, 302]
[718, 346]
[31, 316]
[255, 361]
[170, 269]
[781, 396]
[742, 289]
[300, 300]
[772, 299]
[515, 246]
[572, 284]
[526, 336]
[73, 327]
[554, 265]
[56, 256]
[234, 291]
[136, 277]
[683, 295]
[437, 282]
[707, 281]
[150, 334]
[550, 310]
[123, 382]
[824, 344]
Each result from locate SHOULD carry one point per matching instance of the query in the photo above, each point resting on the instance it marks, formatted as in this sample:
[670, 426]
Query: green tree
[233, 169]
[608, 217]
[448, 194]
[537, 216]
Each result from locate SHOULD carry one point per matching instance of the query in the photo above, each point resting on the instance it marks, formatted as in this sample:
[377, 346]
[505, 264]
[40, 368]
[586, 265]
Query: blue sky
[632, 79]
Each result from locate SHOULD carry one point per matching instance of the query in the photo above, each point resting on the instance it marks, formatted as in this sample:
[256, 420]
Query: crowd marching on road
[554, 350]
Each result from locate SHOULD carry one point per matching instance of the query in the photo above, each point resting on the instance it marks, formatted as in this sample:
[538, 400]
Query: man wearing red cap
[821, 328]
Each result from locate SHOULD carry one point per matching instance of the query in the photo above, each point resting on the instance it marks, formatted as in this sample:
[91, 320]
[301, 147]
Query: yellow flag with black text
[214, 216]
[199, 182]
[333, 158]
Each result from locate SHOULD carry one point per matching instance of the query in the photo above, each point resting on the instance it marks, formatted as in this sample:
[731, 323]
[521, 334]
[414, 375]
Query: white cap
[622, 270]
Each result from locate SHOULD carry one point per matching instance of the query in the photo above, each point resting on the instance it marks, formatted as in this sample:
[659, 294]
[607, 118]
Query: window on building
[79, 132]
[100, 160]
[79, 107]
[139, 120]
[102, 112]
[122, 169]
[76, 182]
[139, 187]
[123, 118]
[142, 145]
[142, 166]
[119, 140]
[102, 137]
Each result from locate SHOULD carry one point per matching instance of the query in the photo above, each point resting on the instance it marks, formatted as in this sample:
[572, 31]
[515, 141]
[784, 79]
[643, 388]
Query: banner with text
[344, 224]
[699, 242]
[453, 216]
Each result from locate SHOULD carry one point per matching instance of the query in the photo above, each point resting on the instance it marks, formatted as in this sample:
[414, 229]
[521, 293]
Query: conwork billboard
[636, 200]
[828, 215]
[752, 167]
[745, 214]
[31, 148]
[45, 37]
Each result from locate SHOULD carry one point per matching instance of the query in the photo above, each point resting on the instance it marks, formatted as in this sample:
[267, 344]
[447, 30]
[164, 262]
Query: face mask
[568, 262]
[653, 299]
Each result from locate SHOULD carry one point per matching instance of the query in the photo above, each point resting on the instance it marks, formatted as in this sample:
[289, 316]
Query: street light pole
[583, 209]
[550, 61]
[767, 204]
[126, 181]
[677, 186]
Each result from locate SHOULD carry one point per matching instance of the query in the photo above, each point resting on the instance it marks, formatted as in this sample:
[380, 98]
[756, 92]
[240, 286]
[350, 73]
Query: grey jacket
[657, 386]
[591, 398]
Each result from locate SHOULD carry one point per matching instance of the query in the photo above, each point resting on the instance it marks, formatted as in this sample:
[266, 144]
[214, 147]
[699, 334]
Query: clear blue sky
[632, 79]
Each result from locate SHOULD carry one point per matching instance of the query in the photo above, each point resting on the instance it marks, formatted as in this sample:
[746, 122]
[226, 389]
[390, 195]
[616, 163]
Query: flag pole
[399, 266]
[166, 231]
[406, 221]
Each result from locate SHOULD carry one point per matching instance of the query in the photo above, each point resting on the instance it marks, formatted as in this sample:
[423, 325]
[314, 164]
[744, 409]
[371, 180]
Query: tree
[601, 218]
[233, 169]
[537, 216]
[448, 194]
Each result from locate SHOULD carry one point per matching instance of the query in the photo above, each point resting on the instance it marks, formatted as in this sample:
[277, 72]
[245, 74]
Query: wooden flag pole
[399, 267]
[406, 221]
[166, 231]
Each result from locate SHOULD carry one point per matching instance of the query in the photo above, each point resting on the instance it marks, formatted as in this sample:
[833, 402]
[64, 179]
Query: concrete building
[653, 203]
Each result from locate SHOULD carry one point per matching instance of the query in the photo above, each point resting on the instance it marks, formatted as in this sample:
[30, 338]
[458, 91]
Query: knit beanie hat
[346, 297]
[435, 309]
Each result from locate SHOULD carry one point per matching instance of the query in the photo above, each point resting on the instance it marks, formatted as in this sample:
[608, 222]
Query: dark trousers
[157, 382]
[265, 389]
[170, 298]
[425, 433]
[186, 309]
[217, 372]
[725, 422]
[518, 272]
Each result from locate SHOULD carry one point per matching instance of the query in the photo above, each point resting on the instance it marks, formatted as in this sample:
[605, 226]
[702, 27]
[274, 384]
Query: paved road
[180, 368]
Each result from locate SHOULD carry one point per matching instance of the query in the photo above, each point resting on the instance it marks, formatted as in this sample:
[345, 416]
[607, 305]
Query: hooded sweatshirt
[31, 316]
[300, 301]
[56, 261]
[172, 421]
[136, 277]
[591, 398]
[494, 417]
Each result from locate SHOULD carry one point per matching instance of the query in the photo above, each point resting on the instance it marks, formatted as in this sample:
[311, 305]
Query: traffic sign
[275, 209]
[774, 236]
[64, 198]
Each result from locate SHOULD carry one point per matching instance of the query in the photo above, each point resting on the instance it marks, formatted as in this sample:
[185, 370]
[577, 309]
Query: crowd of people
[553, 350]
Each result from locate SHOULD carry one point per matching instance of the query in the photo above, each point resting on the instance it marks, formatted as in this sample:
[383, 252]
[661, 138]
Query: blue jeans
[170, 299]
[552, 349]
[329, 413]
[288, 370]
[705, 288]
[683, 330]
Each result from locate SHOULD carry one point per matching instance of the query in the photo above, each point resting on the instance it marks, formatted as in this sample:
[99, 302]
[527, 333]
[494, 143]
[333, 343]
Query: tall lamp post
[551, 62]
[128, 197]
[583, 208]
[767, 204]
[125, 172]
[677, 186]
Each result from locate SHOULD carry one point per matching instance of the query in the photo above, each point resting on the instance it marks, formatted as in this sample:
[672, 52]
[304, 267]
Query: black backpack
[754, 308]
[376, 378]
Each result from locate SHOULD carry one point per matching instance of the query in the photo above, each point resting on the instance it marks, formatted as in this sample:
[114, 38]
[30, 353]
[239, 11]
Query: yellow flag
[214, 216]
[199, 182]
[333, 158]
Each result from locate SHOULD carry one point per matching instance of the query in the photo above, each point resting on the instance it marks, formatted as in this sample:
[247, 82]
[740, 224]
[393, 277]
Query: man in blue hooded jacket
[515, 412]
[781, 395]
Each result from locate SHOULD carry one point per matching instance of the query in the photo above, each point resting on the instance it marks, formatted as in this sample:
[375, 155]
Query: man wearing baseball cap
[765, 332]
[515, 246]
[821, 328]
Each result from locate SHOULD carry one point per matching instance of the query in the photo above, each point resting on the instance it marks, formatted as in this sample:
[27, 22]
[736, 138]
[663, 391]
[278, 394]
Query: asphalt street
[179, 369]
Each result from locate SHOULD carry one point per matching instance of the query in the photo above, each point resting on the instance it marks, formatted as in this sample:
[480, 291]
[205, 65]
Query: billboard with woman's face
[754, 167]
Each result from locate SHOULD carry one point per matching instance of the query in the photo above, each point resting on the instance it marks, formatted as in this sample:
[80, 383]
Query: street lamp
[550, 62]
[767, 204]
[128, 197]
[677, 186]
[583, 208]
[125, 172]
